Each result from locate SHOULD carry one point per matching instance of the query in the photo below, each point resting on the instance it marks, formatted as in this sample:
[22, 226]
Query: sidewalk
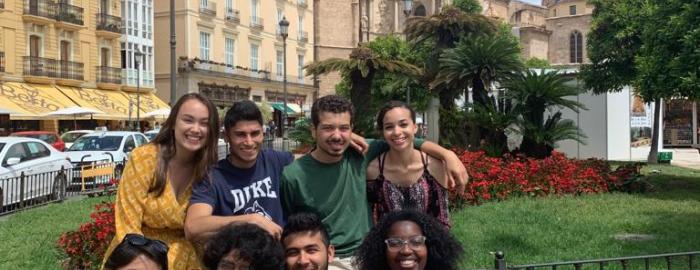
[685, 157]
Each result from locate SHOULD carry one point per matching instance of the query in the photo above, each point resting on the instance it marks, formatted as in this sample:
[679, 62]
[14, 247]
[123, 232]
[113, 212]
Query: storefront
[681, 126]
[29, 106]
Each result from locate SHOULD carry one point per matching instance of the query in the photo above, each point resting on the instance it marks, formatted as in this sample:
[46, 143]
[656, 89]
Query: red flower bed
[86, 246]
[500, 178]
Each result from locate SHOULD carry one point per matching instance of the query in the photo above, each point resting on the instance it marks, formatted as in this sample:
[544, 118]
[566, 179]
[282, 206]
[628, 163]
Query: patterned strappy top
[425, 195]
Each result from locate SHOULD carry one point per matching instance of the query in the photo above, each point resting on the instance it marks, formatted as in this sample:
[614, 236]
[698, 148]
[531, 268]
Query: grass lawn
[540, 230]
[527, 230]
[29, 237]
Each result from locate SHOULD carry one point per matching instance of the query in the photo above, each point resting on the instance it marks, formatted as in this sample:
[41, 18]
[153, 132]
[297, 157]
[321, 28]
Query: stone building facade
[554, 31]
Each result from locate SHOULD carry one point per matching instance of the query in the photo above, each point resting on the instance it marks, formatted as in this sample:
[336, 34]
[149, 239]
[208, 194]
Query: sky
[536, 2]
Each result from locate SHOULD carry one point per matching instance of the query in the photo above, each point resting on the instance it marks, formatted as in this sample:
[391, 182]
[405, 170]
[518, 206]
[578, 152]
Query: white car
[151, 134]
[70, 136]
[43, 166]
[101, 148]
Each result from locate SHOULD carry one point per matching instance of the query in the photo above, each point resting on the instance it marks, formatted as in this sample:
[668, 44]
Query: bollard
[21, 190]
[500, 261]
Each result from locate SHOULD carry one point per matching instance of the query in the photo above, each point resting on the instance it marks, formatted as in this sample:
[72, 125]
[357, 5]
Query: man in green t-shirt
[331, 181]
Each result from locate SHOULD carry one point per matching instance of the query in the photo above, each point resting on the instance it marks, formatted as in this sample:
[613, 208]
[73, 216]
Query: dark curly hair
[332, 104]
[443, 250]
[253, 244]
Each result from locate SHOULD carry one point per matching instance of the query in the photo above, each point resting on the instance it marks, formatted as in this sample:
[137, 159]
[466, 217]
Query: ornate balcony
[2, 61]
[302, 3]
[69, 16]
[39, 69]
[208, 9]
[109, 26]
[303, 36]
[233, 16]
[108, 77]
[256, 23]
[39, 11]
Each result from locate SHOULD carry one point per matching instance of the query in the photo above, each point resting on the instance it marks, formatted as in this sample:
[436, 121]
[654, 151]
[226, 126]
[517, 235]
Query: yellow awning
[31, 101]
[113, 103]
[148, 101]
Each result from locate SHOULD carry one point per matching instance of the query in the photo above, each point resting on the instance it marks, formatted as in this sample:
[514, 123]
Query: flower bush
[86, 246]
[501, 178]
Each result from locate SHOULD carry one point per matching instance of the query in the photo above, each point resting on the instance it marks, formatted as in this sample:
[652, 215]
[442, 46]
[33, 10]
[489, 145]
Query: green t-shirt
[335, 191]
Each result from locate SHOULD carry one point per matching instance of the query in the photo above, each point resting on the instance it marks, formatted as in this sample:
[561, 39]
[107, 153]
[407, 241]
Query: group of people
[248, 210]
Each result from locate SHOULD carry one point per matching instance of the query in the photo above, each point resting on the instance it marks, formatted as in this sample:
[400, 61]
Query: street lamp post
[137, 60]
[407, 8]
[172, 53]
[284, 32]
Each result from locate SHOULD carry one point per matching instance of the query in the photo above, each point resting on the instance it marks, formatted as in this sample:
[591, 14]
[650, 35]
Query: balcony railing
[39, 66]
[2, 61]
[109, 75]
[108, 22]
[208, 9]
[233, 15]
[302, 3]
[256, 22]
[70, 13]
[303, 36]
[70, 70]
[41, 8]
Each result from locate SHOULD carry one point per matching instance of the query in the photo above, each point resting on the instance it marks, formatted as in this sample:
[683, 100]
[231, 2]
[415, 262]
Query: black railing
[303, 36]
[109, 75]
[70, 13]
[233, 15]
[71, 70]
[208, 9]
[41, 8]
[2, 61]
[656, 261]
[30, 190]
[39, 66]
[110, 23]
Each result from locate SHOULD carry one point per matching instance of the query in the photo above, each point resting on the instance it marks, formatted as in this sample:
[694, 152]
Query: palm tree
[532, 94]
[361, 68]
[443, 30]
[478, 61]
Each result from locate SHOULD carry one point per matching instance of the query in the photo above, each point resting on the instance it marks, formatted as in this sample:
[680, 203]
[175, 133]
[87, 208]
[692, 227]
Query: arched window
[420, 11]
[576, 47]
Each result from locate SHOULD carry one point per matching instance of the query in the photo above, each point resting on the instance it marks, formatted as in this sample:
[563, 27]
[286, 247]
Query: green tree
[361, 68]
[535, 62]
[533, 94]
[648, 44]
[468, 6]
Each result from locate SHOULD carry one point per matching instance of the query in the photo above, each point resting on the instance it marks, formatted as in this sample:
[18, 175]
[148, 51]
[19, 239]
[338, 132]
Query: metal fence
[682, 260]
[32, 190]
[85, 178]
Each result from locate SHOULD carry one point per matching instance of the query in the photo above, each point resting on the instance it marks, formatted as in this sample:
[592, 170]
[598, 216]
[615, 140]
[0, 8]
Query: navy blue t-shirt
[235, 191]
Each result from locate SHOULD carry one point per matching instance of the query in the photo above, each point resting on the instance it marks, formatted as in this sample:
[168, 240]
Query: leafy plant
[301, 132]
[86, 246]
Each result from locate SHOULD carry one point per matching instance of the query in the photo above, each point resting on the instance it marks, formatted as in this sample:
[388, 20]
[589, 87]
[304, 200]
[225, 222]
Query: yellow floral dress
[140, 212]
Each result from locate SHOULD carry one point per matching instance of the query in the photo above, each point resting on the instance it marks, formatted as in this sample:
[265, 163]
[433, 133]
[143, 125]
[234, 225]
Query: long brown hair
[203, 158]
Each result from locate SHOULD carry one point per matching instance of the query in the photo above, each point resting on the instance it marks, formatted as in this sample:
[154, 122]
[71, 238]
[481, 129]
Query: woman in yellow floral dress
[156, 185]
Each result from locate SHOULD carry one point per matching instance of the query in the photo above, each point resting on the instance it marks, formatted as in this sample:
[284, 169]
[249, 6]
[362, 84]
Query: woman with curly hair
[243, 246]
[408, 239]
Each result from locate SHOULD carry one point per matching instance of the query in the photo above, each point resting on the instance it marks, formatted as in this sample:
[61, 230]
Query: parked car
[151, 134]
[70, 136]
[103, 148]
[49, 137]
[43, 167]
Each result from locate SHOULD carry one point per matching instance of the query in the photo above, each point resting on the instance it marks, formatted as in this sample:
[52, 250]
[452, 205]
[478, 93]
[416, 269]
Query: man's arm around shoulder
[200, 222]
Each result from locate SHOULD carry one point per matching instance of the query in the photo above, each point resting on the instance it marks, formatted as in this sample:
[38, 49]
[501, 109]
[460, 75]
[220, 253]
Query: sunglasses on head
[140, 241]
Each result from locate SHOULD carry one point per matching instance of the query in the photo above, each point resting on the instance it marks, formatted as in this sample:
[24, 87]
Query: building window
[572, 10]
[254, 8]
[229, 51]
[229, 6]
[204, 45]
[254, 56]
[257, 98]
[301, 26]
[280, 15]
[300, 68]
[280, 65]
[555, 12]
[576, 47]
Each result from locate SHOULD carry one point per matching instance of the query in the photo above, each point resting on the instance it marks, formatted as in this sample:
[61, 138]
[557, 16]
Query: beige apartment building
[231, 50]
[57, 55]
